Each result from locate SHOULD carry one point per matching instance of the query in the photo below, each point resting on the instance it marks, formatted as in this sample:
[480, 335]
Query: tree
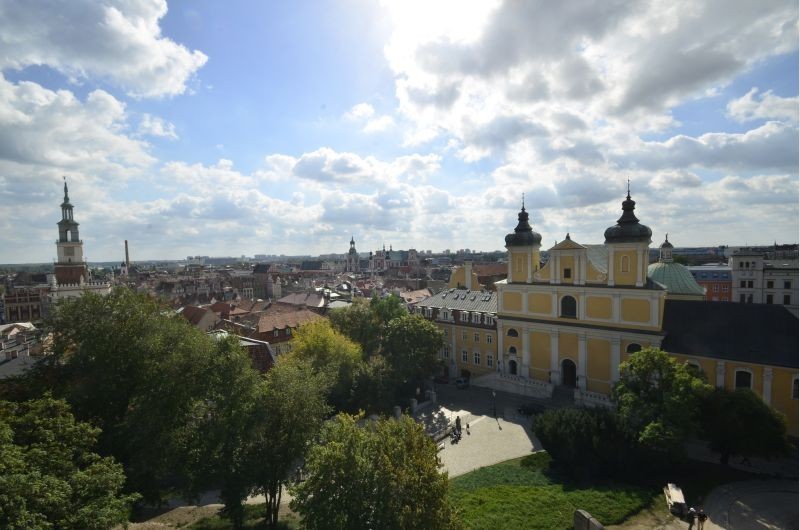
[289, 414]
[659, 400]
[149, 379]
[740, 423]
[382, 475]
[49, 476]
[366, 324]
[411, 346]
[332, 354]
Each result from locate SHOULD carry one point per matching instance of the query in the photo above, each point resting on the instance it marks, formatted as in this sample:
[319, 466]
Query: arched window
[512, 333]
[743, 379]
[633, 348]
[512, 350]
[625, 264]
[569, 307]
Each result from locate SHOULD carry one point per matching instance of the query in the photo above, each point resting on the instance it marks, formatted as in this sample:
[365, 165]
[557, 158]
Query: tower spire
[66, 191]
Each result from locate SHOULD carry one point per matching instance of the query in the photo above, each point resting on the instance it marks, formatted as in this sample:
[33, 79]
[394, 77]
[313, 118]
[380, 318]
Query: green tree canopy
[659, 400]
[289, 414]
[49, 475]
[411, 346]
[740, 423]
[382, 475]
[366, 323]
[144, 376]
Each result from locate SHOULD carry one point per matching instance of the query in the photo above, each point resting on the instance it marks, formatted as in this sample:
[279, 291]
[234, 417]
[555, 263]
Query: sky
[247, 127]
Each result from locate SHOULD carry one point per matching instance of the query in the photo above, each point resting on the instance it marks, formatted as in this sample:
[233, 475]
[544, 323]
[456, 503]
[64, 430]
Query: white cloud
[155, 126]
[118, 40]
[359, 112]
[379, 124]
[751, 106]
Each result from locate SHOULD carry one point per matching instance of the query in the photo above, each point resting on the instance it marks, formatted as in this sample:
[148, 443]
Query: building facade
[715, 278]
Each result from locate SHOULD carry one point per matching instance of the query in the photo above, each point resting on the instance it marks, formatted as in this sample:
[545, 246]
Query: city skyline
[198, 128]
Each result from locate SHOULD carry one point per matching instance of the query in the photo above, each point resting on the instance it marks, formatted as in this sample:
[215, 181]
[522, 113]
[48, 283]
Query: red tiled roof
[282, 316]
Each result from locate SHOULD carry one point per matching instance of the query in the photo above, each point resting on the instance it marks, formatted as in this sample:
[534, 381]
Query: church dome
[523, 235]
[628, 228]
[676, 279]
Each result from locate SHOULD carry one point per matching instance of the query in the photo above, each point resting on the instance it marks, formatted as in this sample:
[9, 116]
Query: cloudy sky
[228, 128]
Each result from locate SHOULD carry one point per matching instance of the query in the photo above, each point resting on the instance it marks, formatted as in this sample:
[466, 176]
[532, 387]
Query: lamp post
[494, 403]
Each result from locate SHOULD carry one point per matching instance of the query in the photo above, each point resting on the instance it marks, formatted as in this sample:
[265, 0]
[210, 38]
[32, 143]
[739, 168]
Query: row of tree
[661, 404]
[182, 412]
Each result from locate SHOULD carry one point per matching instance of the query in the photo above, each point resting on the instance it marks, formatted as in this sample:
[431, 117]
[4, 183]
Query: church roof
[568, 244]
[463, 300]
[755, 333]
[523, 234]
[675, 278]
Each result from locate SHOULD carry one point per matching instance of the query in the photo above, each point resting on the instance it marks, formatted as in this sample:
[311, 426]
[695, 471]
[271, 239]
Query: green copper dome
[675, 278]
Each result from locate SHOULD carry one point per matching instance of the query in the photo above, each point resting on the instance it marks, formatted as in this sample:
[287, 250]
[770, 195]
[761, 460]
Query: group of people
[699, 516]
[455, 435]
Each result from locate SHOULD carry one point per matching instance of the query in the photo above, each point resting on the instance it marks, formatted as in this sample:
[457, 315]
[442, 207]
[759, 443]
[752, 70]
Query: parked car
[462, 382]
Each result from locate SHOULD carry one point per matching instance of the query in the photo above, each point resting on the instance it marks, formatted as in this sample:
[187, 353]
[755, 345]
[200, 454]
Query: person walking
[692, 515]
[701, 519]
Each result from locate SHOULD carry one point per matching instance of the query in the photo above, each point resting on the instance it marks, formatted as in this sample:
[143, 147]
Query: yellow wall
[598, 307]
[545, 272]
[635, 310]
[459, 279]
[567, 262]
[730, 375]
[540, 350]
[540, 303]
[567, 347]
[512, 301]
[519, 266]
[601, 387]
[782, 397]
[598, 353]
[625, 278]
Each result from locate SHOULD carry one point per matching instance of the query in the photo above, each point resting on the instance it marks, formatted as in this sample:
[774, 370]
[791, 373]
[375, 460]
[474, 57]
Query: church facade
[565, 326]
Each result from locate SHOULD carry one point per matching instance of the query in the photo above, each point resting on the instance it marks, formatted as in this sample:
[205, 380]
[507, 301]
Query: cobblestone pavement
[489, 440]
[754, 505]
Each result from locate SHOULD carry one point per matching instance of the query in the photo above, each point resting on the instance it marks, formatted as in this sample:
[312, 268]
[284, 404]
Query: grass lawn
[253, 519]
[528, 493]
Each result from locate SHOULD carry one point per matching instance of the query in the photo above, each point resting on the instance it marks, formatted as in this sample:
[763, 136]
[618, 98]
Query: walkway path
[754, 505]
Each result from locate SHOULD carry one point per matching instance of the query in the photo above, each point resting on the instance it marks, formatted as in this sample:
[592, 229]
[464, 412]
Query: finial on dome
[629, 188]
[523, 201]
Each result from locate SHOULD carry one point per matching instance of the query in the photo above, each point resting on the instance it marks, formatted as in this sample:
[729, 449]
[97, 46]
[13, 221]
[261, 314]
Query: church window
[512, 333]
[518, 263]
[567, 273]
[512, 350]
[743, 379]
[633, 348]
[569, 307]
[625, 264]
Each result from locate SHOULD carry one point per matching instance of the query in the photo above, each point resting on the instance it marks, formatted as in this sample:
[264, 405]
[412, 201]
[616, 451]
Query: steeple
[628, 229]
[665, 251]
[67, 227]
[70, 267]
[523, 234]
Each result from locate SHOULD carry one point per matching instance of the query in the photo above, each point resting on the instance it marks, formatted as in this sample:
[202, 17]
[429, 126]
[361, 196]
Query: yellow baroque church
[564, 327]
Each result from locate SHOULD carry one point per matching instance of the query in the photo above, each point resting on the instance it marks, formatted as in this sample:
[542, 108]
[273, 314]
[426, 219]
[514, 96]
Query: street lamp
[494, 403]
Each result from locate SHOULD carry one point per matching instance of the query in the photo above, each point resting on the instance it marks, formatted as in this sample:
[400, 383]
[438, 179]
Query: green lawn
[527, 493]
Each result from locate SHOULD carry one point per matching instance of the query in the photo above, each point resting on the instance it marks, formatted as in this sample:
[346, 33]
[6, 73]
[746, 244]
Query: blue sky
[200, 127]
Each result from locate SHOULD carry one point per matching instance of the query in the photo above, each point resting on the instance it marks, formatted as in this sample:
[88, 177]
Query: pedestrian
[701, 519]
[692, 515]
[458, 424]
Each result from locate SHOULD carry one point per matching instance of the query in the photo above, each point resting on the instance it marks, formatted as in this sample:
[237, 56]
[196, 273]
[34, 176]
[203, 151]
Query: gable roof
[756, 333]
[281, 316]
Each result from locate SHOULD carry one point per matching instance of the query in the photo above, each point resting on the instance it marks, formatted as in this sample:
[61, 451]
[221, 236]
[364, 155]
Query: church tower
[352, 257]
[628, 244]
[523, 250]
[70, 267]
